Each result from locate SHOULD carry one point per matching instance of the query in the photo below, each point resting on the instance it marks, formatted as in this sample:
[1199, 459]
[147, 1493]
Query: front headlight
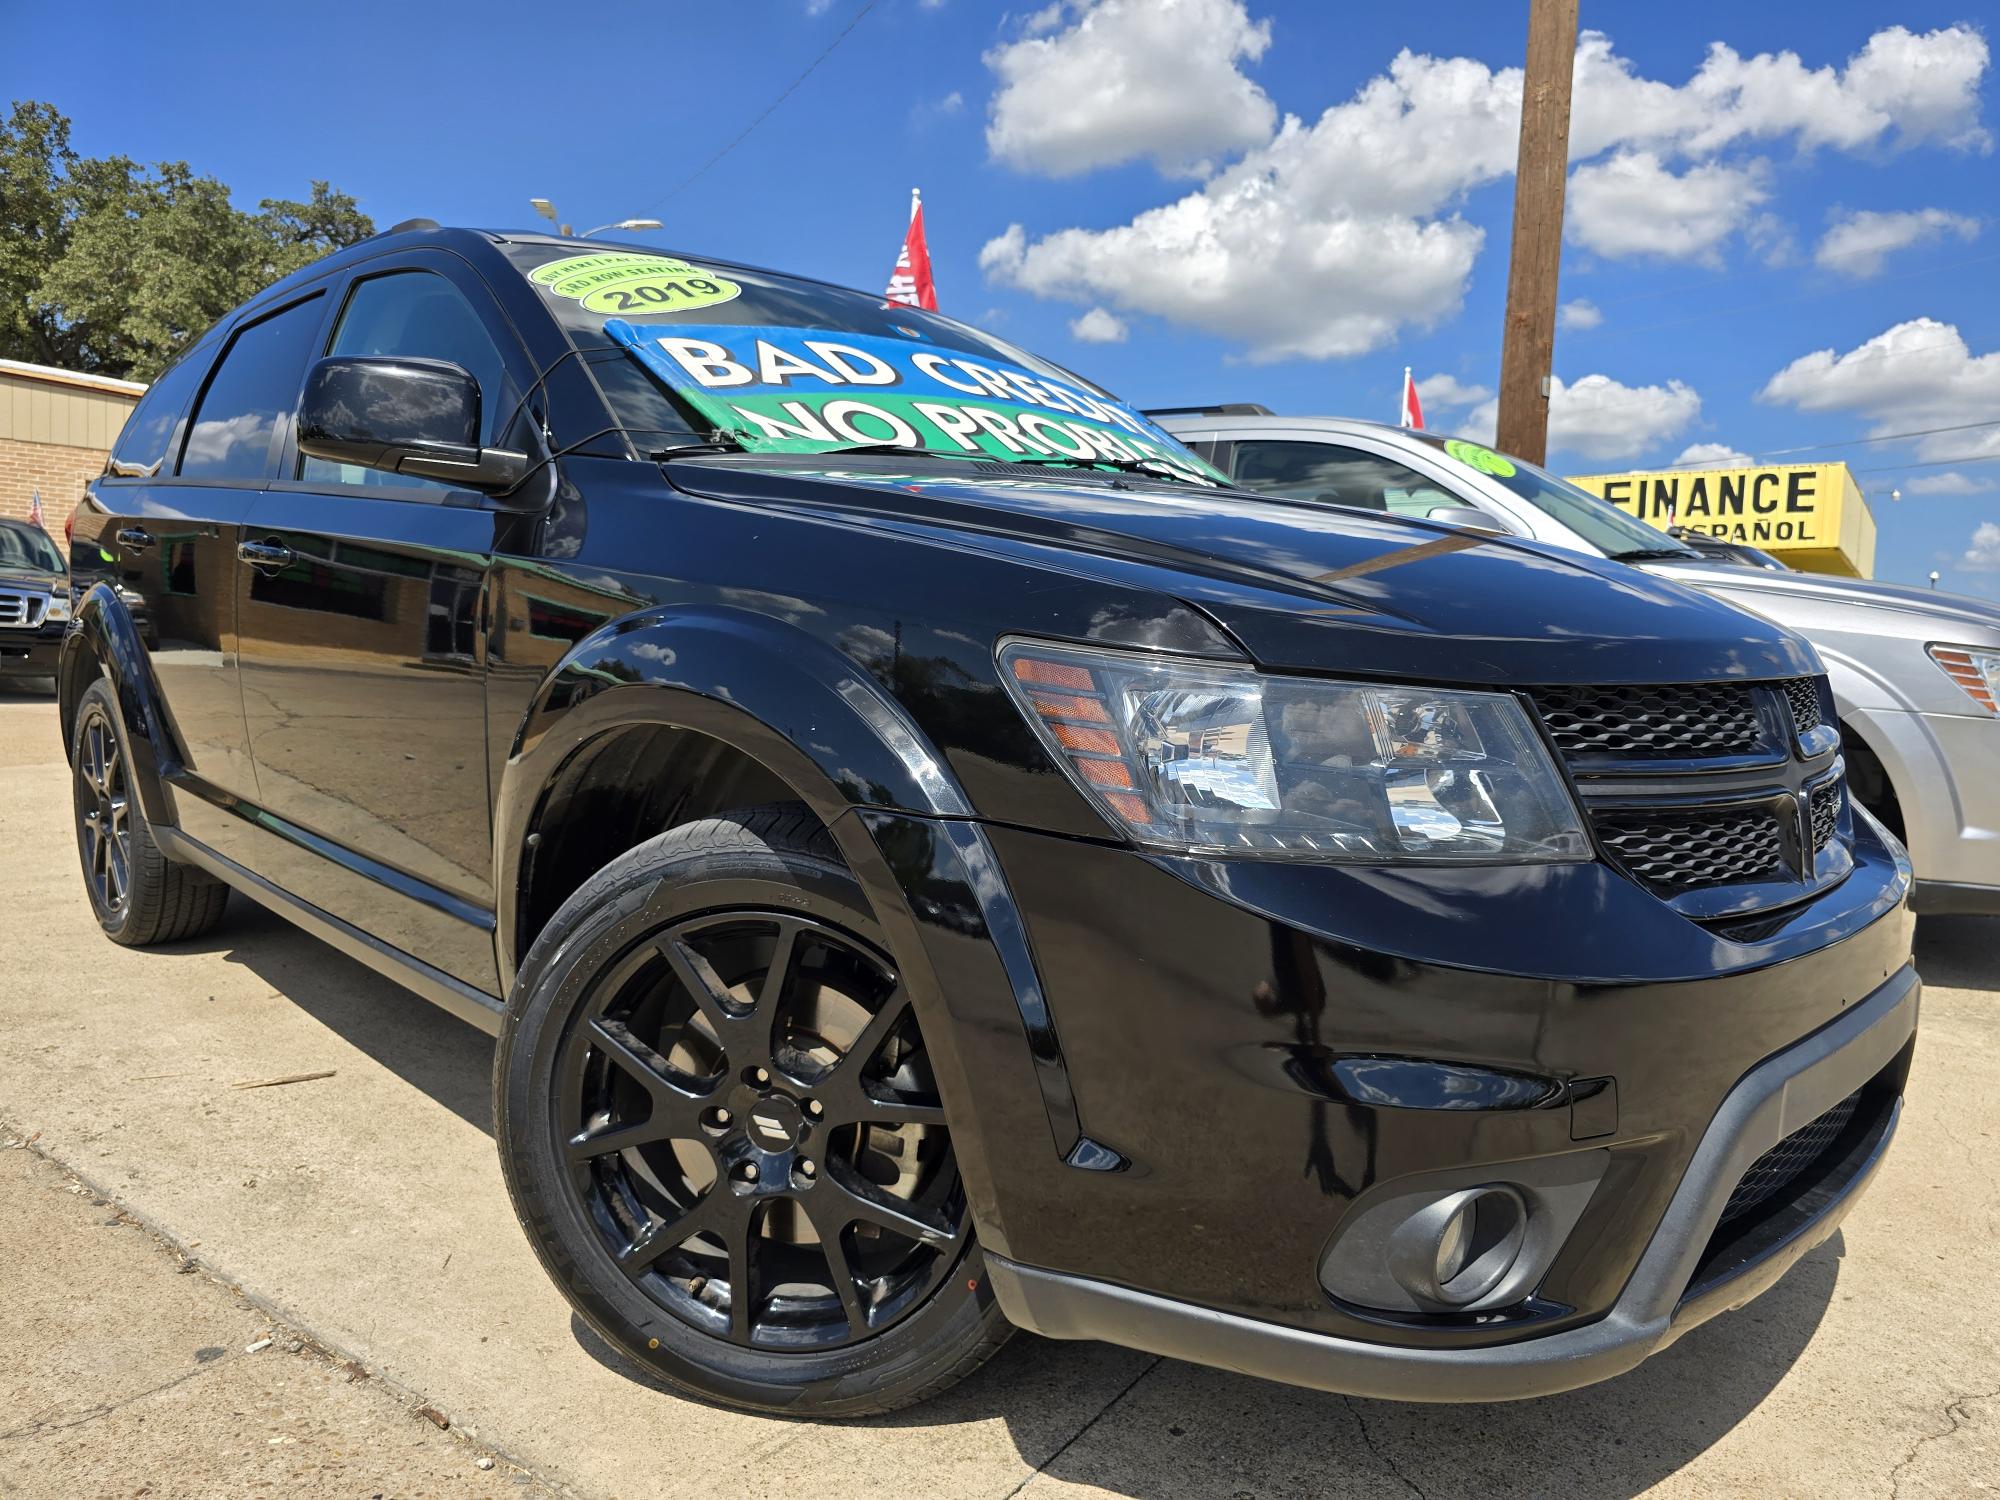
[1196, 756]
[1977, 671]
[58, 605]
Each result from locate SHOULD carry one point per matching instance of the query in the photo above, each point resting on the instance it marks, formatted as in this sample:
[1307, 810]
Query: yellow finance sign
[1812, 516]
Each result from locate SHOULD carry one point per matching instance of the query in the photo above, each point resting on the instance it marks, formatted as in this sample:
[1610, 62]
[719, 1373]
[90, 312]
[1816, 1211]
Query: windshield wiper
[715, 443]
[1642, 554]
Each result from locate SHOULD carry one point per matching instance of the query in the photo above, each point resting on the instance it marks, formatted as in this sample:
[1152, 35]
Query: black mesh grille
[1825, 806]
[1785, 1162]
[1712, 848]
[1694, 719]
[1803, 694]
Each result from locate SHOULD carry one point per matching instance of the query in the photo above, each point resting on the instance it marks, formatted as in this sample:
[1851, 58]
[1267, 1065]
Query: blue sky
[1239, 199]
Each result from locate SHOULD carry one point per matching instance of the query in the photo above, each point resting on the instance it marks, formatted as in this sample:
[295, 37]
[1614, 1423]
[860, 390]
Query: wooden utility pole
[1528, 341]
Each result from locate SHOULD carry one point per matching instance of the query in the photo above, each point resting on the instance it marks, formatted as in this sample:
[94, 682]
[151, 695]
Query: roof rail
[1227, 409]
[426, 224]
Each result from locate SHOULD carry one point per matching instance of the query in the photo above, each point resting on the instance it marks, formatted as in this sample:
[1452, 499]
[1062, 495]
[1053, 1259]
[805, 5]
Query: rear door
[363, 663]
[162, 527]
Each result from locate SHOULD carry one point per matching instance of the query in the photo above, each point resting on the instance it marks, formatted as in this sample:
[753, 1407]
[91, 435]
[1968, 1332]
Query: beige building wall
[56, 427]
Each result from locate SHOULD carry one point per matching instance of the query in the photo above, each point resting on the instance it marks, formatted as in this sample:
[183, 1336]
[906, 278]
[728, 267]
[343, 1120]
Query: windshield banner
[810, 390]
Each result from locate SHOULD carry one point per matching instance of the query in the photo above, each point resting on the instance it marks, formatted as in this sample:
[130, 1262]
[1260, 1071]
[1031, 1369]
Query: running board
[473, 1006]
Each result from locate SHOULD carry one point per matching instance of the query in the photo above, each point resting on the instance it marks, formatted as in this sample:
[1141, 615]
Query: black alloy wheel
[139, 896]
[724, 1134]
[103, 812]
[753, 1128]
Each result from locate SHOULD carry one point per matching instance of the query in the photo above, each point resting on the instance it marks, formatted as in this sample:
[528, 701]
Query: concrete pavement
[366, 1210]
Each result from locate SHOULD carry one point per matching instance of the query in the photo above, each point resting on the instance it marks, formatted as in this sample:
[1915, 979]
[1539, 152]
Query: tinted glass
[417, 315]
[1332, 475]
[1598, 522]
[255, 387]
[148, 434]
[25, 546]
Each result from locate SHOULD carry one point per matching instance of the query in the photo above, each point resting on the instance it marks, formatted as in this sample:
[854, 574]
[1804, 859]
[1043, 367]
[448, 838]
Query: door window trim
[507, 343]
[288, 419]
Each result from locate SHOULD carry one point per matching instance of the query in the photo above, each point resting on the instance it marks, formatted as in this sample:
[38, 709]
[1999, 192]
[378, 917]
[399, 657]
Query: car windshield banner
[811, 390]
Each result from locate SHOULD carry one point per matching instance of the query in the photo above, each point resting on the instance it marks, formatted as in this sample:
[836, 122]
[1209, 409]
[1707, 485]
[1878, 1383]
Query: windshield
[25, 546]
[1598, 522]
[688, 348]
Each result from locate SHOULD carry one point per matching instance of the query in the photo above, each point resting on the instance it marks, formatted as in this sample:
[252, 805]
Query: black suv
[34, 601]
[938, 860]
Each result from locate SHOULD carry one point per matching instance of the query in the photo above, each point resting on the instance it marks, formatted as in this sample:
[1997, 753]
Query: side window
[1332, 475]
[416, 315]
[147, 437]
[254, 389]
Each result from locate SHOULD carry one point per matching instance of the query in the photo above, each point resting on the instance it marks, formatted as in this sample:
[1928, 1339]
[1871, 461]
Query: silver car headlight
[1195, 756]
[58, 605]
[1975, 670]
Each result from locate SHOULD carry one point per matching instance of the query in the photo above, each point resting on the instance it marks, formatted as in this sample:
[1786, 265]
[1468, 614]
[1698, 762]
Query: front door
[363, 667]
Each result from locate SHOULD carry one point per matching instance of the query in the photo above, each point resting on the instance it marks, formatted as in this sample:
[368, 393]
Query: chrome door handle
[135, 537]
[266, 554]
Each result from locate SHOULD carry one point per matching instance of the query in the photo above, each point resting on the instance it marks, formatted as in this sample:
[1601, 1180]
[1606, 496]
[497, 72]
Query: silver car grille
[21, 611]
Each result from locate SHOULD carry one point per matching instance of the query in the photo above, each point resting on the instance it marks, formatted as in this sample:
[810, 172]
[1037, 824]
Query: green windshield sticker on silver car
[1485, 460]
[614, 282]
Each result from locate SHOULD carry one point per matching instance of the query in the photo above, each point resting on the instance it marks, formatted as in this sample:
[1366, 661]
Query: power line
[769, 109]
[1936, 463]
[1886, 437]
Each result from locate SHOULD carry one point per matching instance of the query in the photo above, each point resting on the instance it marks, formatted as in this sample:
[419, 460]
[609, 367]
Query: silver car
[1915, 673]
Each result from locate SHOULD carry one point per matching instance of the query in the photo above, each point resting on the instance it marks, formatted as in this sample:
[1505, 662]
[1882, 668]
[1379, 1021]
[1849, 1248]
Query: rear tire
[721, 1134]
[139, 896]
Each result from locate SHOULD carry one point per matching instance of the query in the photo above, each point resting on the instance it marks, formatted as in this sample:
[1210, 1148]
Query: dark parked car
[938, 860]
[34, 602]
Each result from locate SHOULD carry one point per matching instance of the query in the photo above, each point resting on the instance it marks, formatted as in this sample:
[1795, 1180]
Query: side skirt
[470, 1005]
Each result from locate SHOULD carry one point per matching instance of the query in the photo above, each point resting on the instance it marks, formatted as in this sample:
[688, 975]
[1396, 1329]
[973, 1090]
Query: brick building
[56, 427]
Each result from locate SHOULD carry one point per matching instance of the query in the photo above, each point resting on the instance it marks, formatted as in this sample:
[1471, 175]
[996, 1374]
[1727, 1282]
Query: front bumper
[1675, 1287]
[1151, 1064]
[31, 653]
[1942, 766]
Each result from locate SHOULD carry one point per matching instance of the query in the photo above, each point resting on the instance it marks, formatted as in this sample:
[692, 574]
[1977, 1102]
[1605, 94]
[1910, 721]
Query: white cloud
[1326, 238]
[1951, 482]
[1900, 89]
[1712, 455]
[1859, 243]
[1098, 327]
[1579, 314]
[1633, 204]
[1908, 378]
[1983, 556]
[1129, 78]
[1602, 419]
[1443, 392]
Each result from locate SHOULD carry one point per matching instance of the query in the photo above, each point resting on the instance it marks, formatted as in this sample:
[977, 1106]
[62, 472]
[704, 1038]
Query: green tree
[111, 267]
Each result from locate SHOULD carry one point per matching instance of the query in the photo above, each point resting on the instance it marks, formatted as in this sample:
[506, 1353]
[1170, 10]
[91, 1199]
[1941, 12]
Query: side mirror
[406, 416]
[1465, 515]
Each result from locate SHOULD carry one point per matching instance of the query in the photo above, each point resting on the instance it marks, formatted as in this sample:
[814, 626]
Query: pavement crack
[106, 1408]
[1124, 1391]
[1955, 1411]
[1387, 1460]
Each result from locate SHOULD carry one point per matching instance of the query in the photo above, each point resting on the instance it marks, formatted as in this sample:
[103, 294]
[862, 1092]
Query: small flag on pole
[35, 512]
[910, 283]
[1413, 409]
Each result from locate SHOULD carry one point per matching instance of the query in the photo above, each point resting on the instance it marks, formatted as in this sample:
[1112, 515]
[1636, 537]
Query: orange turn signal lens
[1054, 674]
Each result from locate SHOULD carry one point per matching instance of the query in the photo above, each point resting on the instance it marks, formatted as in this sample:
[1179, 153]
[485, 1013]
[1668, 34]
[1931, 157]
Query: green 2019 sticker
[1485, 460]
[613, 282]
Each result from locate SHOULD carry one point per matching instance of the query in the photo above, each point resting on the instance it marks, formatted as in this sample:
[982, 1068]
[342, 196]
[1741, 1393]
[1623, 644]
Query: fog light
[1459, 1247]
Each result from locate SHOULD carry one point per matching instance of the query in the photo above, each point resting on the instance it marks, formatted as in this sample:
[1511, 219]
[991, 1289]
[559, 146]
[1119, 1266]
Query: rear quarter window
[148, 435]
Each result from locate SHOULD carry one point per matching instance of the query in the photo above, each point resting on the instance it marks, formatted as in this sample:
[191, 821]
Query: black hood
[1303, 586]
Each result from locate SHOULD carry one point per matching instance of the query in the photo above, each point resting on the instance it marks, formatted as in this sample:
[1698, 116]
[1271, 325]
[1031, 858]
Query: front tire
[722, 1135]
[139, 896]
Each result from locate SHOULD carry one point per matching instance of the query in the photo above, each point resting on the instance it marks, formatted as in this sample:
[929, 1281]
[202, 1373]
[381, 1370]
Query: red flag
[1413, 409]
[911, 283]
